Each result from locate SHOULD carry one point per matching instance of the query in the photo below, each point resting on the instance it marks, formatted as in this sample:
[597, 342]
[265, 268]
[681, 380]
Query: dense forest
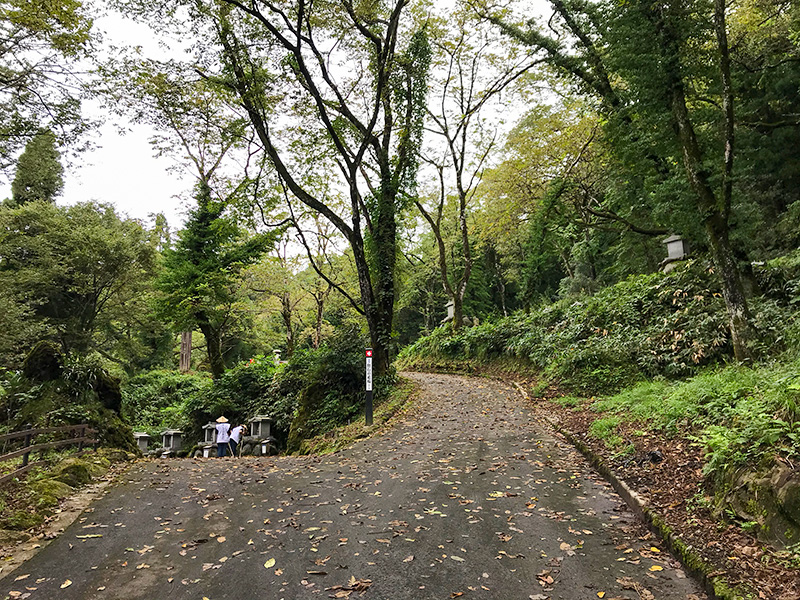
[602, 193]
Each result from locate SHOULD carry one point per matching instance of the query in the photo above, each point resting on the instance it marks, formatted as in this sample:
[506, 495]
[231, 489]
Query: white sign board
[369, 369]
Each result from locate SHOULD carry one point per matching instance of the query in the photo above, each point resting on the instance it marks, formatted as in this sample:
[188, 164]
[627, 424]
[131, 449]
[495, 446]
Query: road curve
[465, 496]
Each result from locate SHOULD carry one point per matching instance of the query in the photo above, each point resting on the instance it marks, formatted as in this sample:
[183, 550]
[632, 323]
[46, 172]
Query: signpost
[368, 410]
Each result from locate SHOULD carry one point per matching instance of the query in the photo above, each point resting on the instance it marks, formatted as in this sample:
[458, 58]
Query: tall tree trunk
[714, 210]
[216, 361]
[320, 301]
[286, 315]
[384, 234]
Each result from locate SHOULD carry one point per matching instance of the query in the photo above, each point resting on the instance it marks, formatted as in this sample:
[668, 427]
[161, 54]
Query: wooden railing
[80, 435]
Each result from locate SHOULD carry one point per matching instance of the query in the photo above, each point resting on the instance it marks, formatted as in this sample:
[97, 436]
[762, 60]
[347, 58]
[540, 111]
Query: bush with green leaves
[333, 390]
[647, 325]
[741, 415]
[157, 400]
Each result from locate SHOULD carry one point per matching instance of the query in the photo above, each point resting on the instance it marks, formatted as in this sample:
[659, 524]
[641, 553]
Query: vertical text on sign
[369, 369]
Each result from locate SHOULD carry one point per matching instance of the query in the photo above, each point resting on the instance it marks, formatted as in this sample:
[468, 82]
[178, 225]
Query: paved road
[466, 496]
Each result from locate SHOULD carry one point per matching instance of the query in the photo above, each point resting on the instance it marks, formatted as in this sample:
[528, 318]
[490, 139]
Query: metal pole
[368, 408]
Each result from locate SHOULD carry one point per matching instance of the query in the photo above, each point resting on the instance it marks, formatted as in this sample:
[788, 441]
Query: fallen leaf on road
[66, 584]
[221, 539]
[408, 558]
[269, 564]
[457, 558]
[656, 568]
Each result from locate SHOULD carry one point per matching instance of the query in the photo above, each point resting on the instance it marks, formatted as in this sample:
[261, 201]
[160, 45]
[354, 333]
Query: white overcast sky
[122, 170]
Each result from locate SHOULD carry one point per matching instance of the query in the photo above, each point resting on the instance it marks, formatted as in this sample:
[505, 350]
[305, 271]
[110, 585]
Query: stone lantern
[276, 356]
[210, 433]
[142, 440]
[171, 439]
[261, 427]
[677, 249]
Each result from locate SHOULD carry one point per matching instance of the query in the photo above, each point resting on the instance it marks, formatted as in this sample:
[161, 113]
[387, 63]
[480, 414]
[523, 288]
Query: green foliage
[200, 280]
[156, 400]
[409, 83]
[333, 393]
[740, 415]
[39, 171]
[80, 272]
[234, 394]
[646, 325]
[38, 84]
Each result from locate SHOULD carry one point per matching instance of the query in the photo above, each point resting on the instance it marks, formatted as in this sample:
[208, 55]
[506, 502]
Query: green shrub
[670, 325]
[333, 389]
[155, 400]
[741, 415]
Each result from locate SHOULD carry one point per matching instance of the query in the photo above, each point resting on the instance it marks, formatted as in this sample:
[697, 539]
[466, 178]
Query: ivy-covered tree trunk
[713, 207]
[286, 315]
[216, 359]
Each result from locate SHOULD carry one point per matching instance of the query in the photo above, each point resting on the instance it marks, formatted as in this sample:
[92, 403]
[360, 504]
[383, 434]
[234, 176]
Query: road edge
[69, 512]
[715, 585]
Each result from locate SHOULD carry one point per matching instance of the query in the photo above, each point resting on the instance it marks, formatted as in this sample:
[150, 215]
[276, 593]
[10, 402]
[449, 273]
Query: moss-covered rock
[73, 472]
[113, 432]
[108, 391]
[43, 363]
[48, 492]
[769, 498]
[20, 520]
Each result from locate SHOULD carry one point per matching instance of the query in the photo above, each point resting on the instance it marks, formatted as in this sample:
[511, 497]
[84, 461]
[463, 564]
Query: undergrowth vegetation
[741, 415]
[669, 325]
[314, 391]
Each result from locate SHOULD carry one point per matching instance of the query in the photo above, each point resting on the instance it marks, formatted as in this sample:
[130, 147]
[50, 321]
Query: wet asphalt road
[466, 496]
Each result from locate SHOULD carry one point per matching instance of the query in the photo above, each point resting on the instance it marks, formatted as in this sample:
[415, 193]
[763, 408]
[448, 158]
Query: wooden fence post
[27, 454]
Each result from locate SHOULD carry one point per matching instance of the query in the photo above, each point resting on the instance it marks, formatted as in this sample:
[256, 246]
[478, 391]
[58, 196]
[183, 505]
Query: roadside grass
[399, 398]
[740, 415]
[605, 429]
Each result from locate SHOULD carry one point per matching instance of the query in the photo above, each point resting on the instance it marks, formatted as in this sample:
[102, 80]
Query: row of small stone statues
[260, 442]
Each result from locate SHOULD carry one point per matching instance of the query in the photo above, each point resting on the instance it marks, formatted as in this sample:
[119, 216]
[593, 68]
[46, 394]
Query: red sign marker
[369, 352]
